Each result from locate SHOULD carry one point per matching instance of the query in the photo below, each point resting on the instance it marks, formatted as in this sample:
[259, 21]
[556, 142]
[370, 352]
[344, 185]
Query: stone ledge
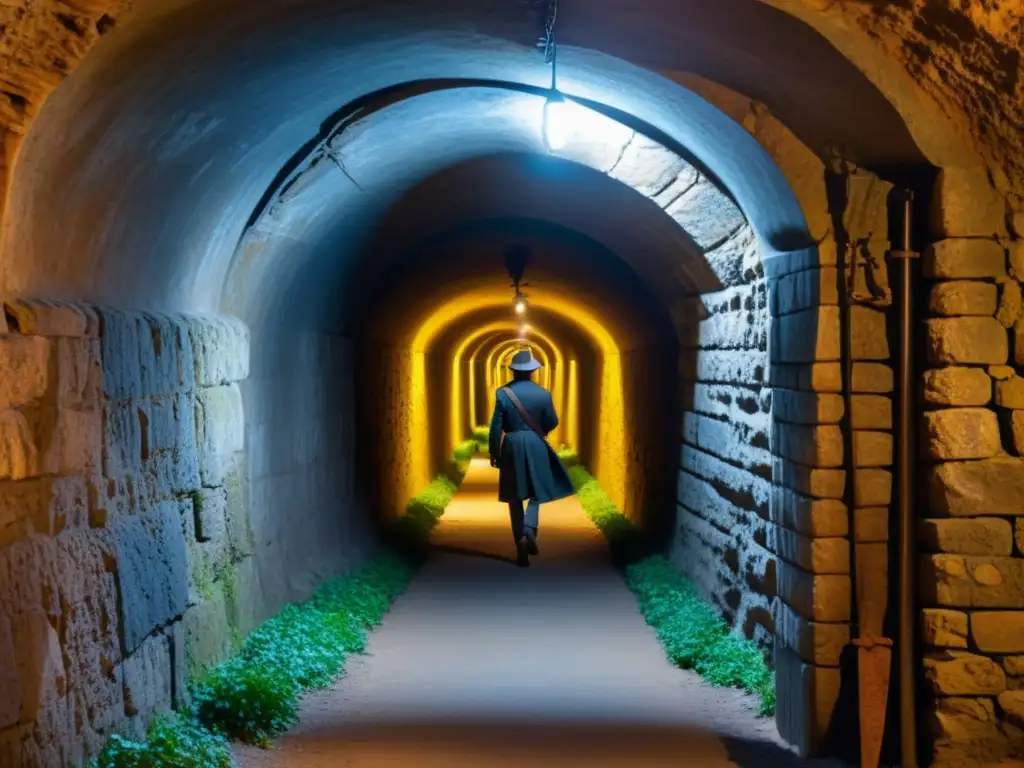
[44, 317]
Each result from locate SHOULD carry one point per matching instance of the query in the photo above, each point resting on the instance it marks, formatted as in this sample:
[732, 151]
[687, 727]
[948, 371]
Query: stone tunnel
[251, 267]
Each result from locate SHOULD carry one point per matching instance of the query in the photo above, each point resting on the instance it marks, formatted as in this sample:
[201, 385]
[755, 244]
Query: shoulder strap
[523, 412]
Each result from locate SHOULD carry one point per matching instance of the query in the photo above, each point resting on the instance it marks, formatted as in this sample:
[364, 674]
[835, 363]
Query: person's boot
[531, 544]
[522, 553]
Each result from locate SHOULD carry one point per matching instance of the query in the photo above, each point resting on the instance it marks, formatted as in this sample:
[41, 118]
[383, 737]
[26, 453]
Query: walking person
[524, 414]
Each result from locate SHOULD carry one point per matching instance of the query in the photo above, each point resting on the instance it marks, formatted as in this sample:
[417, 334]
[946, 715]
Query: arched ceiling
[161, 166]
[463, 277]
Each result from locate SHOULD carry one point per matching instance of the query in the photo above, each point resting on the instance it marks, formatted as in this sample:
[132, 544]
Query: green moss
[410, 533]
[173, 740]
[254, 696]
[568, 456]
[202, 577]
[692, 633]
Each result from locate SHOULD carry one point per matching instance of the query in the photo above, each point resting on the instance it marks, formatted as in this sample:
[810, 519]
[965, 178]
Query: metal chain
[547, 42]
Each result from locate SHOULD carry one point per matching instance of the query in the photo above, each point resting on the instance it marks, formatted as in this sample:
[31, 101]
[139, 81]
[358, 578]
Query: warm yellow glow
[520, 307]
[572, 407]
[476, 342]
[609, 462]
[416, 417]
[473, 301]
[463, 415]
[501, 356]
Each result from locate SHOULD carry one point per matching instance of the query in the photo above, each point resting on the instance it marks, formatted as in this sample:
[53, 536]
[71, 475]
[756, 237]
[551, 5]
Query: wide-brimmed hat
[523, 360]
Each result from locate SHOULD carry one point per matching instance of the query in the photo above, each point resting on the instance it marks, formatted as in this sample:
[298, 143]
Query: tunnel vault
[206, 289]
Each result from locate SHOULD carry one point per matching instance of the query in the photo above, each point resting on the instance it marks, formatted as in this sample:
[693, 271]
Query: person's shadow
[468, 552]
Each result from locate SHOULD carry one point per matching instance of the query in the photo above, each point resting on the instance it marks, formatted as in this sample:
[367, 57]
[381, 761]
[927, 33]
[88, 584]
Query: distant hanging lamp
[554, 119]
[517, 257]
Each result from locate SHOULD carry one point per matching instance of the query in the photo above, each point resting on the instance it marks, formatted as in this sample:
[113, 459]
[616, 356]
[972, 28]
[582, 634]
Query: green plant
[246, 702]
[254, 696]
[172, 740]
[693, 635]
[410, 532]
[627, 542]
[568, 456]
[482, 436]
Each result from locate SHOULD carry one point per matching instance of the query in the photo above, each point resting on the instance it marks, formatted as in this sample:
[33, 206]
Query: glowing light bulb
[520, 307]
[555, 123]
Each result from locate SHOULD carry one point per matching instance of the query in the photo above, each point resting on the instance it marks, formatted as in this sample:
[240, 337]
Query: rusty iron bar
[870, 565]
[905, 490]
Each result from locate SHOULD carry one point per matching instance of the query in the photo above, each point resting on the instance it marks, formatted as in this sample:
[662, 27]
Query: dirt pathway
[481, 663]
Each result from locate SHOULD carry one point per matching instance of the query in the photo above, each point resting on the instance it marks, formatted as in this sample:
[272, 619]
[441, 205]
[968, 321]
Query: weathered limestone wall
[382, 387]
[647, 373]
[307, 509]
[972, 540]
[724, 535]
[122, 517]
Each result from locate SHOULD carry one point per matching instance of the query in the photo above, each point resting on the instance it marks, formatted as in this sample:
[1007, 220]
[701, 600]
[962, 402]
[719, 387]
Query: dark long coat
[530, 468]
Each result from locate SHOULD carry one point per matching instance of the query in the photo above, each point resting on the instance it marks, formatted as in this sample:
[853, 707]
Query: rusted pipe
[905, 492]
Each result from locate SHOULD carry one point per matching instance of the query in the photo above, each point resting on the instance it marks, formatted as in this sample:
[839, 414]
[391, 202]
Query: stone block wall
[832, 442]
[770, 515]
[122, 517]
[971, 534]
[725, 537]
[308, 513]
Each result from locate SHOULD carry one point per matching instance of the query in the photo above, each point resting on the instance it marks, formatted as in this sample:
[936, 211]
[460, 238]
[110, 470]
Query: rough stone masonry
[972, 540]
[121, 517]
